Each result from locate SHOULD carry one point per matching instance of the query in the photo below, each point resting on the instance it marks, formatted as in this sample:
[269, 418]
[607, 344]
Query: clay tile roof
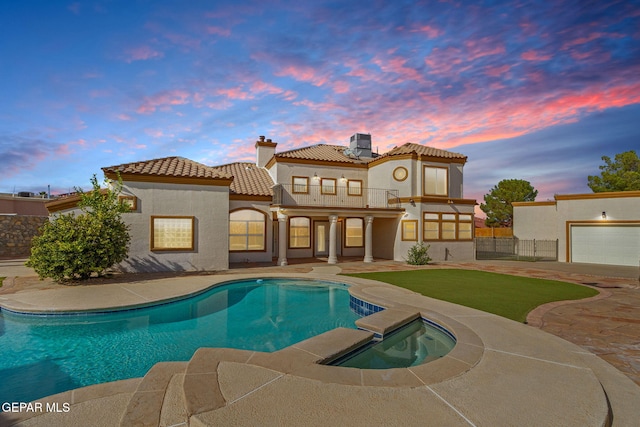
[322, 152]
[248, 179]
[168, 166]
[423, 150]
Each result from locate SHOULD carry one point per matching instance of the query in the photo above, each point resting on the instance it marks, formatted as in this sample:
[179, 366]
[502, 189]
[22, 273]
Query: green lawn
[512, 297]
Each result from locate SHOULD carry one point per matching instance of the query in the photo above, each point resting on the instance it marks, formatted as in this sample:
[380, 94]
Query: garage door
[606, 244]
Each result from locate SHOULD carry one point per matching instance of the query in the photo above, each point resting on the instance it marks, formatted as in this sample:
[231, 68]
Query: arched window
[247, 230]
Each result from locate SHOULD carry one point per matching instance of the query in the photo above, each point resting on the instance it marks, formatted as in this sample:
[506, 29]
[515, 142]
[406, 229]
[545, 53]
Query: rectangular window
[435, 181]
[431, 226]
[300, 232]
[172, 233]
[448, 230]
[353, 233]
[300, 184]
[354, 188]
[328, 185]
[445, 226]
[410, 229]
[465, 227]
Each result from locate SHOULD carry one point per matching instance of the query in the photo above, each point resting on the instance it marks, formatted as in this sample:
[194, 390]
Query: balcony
[283, 195]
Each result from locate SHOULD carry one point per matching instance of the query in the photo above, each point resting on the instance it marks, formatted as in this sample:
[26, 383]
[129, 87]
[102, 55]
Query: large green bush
[72, 246]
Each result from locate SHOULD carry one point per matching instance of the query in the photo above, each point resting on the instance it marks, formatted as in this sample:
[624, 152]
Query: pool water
[413, 344]
[44, 355]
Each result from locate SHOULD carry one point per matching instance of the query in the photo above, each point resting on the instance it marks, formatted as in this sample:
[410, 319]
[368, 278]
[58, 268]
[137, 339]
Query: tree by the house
[621, 174]
[497, 204]
[72, 246]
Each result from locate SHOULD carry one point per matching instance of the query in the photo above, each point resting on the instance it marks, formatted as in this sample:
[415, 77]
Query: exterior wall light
[604, 215]
[315, 176]
[412, 202]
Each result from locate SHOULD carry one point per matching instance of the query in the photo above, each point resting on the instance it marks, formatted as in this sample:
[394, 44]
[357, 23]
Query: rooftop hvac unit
[361, 143]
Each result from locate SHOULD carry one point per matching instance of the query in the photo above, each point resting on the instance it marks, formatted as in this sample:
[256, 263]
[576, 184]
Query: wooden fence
[494, 232]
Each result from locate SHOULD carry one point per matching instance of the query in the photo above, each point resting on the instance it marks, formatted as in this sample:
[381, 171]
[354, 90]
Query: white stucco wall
[210, 207]
[381, 176]
[535, 221]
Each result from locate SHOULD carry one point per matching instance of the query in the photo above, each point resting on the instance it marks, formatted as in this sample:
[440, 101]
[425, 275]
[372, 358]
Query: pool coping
[469, 358]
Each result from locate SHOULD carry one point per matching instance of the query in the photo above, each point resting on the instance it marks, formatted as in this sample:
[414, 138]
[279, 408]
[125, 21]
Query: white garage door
[606, 244]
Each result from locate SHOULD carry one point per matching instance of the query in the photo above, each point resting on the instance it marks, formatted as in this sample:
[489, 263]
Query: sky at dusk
[527, 90]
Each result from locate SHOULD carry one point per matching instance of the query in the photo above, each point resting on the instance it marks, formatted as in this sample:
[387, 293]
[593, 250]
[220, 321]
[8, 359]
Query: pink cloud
[340, 86]
[260, 86]
[163, 100]
[303, 73]
[533, 55]
[447, 123]
[397, 65]
[219, 31]
[582, 40]
[124, 117]
[443, 61]
[430, 31]
[141, 53]
[497, 71]
[155, 133]
[234, 93]
[63, 150]
[485, 46]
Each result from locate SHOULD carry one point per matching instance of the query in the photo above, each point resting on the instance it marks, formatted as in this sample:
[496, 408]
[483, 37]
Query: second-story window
[300, 184]
[435, 181]
[354, 188]
[328, 186]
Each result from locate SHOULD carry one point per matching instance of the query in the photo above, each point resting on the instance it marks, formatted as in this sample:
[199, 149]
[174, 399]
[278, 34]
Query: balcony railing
[283, 195]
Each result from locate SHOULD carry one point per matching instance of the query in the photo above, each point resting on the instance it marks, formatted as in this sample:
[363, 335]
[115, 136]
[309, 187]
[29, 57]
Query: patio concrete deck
[500, 372]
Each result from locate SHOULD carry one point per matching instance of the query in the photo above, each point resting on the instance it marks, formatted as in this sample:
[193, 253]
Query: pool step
[201, 390]
[146, 404]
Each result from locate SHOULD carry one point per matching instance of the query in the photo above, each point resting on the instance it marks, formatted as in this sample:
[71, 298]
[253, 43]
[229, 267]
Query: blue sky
[526, 89]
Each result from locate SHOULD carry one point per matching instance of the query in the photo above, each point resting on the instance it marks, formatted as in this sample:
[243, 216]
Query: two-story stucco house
[324, 201]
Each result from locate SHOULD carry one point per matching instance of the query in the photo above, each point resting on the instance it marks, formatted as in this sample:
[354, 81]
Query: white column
[333, 239]
[368, 238]
[282, 239]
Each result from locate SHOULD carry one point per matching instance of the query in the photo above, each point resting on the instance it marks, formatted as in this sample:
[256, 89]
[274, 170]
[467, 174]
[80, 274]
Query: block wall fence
[16, 233]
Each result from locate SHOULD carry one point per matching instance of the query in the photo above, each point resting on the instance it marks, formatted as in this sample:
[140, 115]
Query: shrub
[73, 246]
[418, 254]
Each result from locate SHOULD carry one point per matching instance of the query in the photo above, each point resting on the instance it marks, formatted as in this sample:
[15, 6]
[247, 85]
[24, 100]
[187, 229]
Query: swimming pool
[44, 355]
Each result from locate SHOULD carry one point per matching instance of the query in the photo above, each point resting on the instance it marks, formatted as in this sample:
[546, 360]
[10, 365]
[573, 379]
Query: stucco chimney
[264, 151]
